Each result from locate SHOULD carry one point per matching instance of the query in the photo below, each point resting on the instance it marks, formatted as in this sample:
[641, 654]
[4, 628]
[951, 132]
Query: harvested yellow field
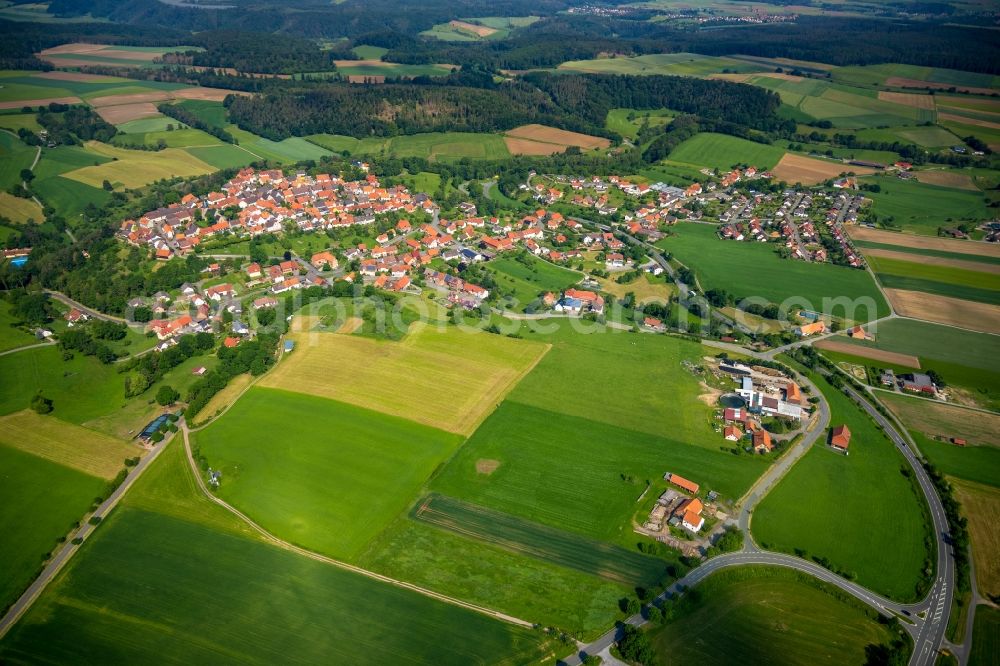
[924, 242]
[546, 134]
[809, 171]
[136, 168]
[223, 398]
[981, 506]
[102, 50]
[978, 266]
[894, 358]
[941, 419]
[916, 100]
[974, 316]
[67, 444]
[445, 378]
[20, 210]
[961, 181]
[644, 290]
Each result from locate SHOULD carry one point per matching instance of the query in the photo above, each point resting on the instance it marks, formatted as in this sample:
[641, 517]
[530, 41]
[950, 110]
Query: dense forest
[573, 102]
[559, 36]
[258, 52]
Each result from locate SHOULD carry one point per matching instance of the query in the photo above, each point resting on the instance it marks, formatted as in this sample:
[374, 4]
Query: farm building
[681, 482]
[840, 438]
[762, 441]
[810, 329]
[733, 434]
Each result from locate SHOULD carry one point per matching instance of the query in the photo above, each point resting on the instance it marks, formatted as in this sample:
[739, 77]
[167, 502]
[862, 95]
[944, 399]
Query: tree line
[573, 102]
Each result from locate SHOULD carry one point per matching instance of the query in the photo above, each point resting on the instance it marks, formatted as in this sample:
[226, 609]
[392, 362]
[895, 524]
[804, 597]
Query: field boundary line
[511, 385]
[58, 561]
[280, 543]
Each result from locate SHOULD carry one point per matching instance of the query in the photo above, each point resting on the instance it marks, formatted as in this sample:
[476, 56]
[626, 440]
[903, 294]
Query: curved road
[926, 620]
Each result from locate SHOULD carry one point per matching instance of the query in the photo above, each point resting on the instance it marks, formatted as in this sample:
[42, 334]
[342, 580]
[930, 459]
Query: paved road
[94, 314]
[937, 604]
[26, 348]
[63, 556]
[928, 617]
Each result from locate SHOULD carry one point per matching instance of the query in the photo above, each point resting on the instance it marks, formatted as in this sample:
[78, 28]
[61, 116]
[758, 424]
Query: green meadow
[12, 337]
[14, 156]
[431, 146]
[937, 342]
[985, 633]
[755, 269]
[755, 615]
[39, 502]
[721, 151]
[859, 511]
[81, 389]
[327, 476]
[610, 376]
[287, 151]
[973, 463]
[484, 573]
[943, 280]
[923, 208]
[526, 281]
[577, 474]
[627, 122]
[279, 606]
[677, 64]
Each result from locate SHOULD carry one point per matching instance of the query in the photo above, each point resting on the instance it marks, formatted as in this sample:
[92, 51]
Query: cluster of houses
[194, 310]
[460, 292]
[687, 511]
[764, 395]
[793, 222]
[254, 203]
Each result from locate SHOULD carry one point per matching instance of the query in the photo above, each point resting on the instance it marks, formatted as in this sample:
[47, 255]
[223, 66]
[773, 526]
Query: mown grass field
[482, 573]
[935, 279]
[727, 265]
[576, 474]
[81, 389]
[606, 376]
[10, 336]
[677, 64]
[926, 340]
[288, 151]
[985, 637]
[20, 211]
[928, 252]
[329, 476]
[14, 156]
[431, 146]
[279, 606]
[721, 151]
[980, 464]
[859, 510]
[448, 379]
[61, 442]
[39, 501]
[135, 168]
[921, 208]
[618, 120]
[529, 280]
[607, 561]
[981, 505]
[767, 615]
[938, 419]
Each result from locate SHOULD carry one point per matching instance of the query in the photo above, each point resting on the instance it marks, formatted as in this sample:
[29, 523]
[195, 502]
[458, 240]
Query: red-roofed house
[840, 438]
